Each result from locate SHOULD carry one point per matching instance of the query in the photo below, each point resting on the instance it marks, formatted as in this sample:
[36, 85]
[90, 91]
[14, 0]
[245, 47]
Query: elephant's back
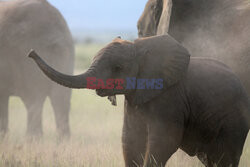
[33, 24]
[218, 104]
[212, 76]
[215, 85]
[216, 95]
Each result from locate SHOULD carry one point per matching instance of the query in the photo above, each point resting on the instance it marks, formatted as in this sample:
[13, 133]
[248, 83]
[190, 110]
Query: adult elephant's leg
[34, 106]
[134, 138]
[164, 138]
[4, 116]
[60, 100]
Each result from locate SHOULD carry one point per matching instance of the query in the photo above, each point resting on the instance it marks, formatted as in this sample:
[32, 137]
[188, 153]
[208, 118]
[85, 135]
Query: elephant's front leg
[134, 139]
[60, 100]
[34, 108]
[164, 139]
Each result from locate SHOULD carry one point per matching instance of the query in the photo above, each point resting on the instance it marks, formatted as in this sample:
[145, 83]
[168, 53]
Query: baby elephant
[171, 101]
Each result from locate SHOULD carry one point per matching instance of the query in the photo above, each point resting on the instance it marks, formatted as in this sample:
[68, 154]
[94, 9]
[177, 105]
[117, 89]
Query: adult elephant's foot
[3, 128]
[3, 134]
[63, 134]
[34, 132]
[34, 128]
[34, 108]
[60, 100]
[34, 124]
[4, 116]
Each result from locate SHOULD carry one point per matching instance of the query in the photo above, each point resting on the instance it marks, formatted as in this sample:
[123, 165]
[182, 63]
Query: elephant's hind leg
[34, 106]
[227, 151]
[225, 161]
[60, 100]
[4, 115]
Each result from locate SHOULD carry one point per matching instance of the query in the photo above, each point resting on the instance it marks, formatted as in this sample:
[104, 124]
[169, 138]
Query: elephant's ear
[161, 58]
[164, 21]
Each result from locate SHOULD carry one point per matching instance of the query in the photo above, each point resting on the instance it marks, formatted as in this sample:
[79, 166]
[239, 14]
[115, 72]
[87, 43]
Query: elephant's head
[155, 18]
[148, 58]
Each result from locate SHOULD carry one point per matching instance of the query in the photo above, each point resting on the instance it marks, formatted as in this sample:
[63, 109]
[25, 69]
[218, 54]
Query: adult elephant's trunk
[164, 21]
[78, 81]
[155, 21]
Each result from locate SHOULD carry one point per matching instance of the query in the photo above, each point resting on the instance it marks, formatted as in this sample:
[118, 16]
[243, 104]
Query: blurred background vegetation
[85, 53]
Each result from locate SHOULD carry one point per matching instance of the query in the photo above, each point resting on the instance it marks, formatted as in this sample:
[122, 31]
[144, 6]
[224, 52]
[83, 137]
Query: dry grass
[95, 142]
[96, 137]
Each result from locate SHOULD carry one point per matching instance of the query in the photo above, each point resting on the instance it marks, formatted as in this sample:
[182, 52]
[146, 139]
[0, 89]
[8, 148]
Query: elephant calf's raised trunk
[78, 81]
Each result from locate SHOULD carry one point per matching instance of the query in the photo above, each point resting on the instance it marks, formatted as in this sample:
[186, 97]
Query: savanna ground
[96, 132]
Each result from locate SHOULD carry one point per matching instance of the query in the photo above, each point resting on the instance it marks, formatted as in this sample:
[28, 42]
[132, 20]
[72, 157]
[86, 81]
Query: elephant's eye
[117, 68]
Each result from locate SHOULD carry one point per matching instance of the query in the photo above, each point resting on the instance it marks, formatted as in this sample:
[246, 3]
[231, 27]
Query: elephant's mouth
[111, 96]
[108, 92]
[102, 92]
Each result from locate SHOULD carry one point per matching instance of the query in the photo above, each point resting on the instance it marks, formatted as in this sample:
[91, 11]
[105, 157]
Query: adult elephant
[171, 101]
[22, 21]
[216, 28]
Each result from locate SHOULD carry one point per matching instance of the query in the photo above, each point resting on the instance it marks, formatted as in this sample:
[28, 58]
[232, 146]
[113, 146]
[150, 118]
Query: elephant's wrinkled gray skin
[203, 108]
[26, 24]
[219, 29]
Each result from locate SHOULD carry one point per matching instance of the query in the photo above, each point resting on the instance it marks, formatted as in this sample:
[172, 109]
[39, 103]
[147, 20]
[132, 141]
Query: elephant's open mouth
[107, 92]
[101, 92]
